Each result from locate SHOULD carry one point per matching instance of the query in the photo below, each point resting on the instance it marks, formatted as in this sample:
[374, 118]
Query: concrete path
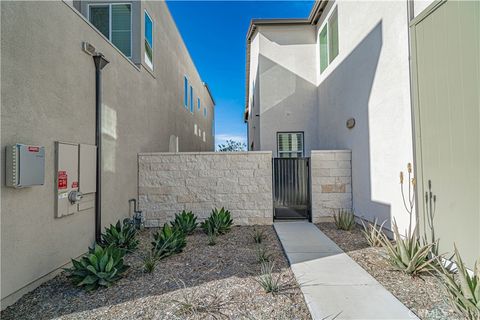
[332, 283]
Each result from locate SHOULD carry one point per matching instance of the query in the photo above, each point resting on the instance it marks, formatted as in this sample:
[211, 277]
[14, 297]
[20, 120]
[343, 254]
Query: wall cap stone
[202, 153]
[330, 151]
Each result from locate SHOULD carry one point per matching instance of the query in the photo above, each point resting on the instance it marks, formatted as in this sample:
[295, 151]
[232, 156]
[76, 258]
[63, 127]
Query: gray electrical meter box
[25, 165]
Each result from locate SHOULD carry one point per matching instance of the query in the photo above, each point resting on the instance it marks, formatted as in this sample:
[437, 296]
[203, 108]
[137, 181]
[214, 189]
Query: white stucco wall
[287, 77]
[369, 81]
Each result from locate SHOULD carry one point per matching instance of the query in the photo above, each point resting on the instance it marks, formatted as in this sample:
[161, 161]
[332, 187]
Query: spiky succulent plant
[373, 233]
[344, 219]
[121, 236]
[101, 267]
[219, 222]
[168, 241]
[185, 221]
[462, 287]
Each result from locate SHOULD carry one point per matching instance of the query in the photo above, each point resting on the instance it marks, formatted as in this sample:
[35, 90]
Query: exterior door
[291, 188]
[446, 74]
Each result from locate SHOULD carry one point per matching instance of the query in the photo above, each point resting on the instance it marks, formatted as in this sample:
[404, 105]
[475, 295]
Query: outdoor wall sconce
[350, 123]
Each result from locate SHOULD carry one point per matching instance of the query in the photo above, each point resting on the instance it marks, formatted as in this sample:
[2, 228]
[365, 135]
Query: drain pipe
[100, 62]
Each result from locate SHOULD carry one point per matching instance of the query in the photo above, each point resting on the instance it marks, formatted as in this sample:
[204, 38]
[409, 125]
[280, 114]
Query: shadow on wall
[288, 102]
[355, 75]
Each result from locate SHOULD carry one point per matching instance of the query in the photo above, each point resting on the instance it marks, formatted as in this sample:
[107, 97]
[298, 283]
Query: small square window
[290, 144]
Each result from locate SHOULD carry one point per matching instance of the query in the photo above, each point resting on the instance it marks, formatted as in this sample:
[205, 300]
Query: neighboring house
[153, 100]
[342, 79]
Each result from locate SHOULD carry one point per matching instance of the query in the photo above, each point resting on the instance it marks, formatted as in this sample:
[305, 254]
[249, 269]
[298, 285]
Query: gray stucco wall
[48, 95]
[199, 182]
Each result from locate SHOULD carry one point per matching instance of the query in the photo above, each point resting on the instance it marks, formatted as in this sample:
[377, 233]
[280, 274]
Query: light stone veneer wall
[239, 181]
[331, 176]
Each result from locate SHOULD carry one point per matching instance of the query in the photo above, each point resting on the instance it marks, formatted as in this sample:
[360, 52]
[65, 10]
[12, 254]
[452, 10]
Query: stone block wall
[239, 181]
[331, 176]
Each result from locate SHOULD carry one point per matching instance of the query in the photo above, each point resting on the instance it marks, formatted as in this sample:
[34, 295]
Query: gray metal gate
[291, 188]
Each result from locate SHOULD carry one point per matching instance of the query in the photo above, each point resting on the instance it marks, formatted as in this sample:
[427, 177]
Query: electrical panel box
[75, 177]
[25, 165]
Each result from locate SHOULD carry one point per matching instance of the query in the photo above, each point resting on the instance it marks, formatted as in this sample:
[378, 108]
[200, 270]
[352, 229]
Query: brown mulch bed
[220, 281]
[423, 295]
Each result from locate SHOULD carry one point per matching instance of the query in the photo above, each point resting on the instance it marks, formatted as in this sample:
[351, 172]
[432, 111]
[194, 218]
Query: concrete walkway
[332, 283]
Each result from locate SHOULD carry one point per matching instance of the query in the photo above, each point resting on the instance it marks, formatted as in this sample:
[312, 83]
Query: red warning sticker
[75, 184]
[33, 149]
[62, 180]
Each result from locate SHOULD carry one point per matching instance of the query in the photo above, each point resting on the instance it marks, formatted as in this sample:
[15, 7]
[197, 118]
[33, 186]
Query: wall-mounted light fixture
[350, 123]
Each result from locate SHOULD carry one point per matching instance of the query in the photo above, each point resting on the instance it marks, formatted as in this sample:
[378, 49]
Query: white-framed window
[204, 136]
[328, 41]
[185, 91]
[148, 40]
[114, 21]
[199, 132]
[290, 144]
[195, 129]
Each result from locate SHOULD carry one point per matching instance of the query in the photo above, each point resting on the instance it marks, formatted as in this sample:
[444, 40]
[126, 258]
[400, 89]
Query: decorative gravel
[202, 282]
[423, 295]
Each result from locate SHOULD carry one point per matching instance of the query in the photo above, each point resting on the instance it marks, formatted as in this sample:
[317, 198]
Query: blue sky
[214, 33]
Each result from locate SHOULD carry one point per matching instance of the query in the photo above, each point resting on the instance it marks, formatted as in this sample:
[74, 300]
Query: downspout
[100, 62]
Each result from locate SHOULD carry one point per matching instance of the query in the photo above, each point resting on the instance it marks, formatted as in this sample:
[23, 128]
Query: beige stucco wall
[48, 95]
[331, 176]
[239, 181]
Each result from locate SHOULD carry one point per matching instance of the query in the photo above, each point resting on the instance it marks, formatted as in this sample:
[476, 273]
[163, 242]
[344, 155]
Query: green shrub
[100, 267]
[258, 236]
[262, 254]
[168, 241]
[463, 290]
[344, 219]
[149, 262]
[407, 254]
[123, 237]
[219, 222]
[373, 233]
[185, 221]
[212, 239]
[267, 280]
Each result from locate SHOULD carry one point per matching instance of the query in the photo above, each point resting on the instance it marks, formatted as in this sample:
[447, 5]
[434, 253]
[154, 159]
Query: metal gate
[291, 188]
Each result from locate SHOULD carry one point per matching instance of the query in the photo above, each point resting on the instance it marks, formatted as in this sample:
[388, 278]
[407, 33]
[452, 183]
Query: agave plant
[463, 290]
[185, 221]
[373, 233]
[100, 267]
[344, 219]
[407, 254]
[168, 241]
[267, 280]
[121, 236]
[219, 222]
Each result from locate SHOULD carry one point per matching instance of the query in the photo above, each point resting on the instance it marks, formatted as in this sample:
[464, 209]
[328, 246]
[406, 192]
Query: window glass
[100, 18]
[191, 99]
[121, 27]
[198, 104]
[185, 91]
[323, 49]
[114, 22]
[148, 40]
[290, 145]
[333, 36]
[205, 112]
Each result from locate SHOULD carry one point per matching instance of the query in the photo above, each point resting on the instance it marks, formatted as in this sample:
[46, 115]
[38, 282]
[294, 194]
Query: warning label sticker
[75, 184]
[62, 180]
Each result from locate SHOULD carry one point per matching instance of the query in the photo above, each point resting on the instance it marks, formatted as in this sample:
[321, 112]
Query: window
[191, 99]
[290, 144]
[205, 112]
[114, 21]
[195, 129]
[198, 103]
[328, 41]
[185, 91]
[203, 136]
[148, 40]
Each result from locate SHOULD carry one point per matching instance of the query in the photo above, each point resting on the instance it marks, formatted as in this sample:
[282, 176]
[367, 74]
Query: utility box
[25, 165]
[75, 177]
